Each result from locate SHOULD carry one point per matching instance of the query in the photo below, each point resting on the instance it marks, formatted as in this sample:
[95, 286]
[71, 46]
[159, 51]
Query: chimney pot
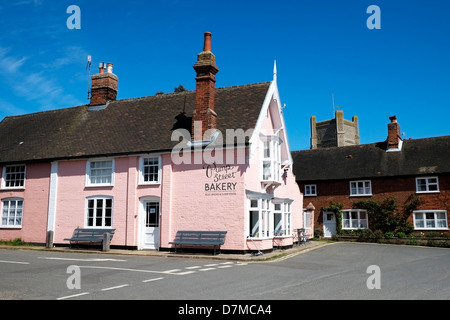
[101, 67]
[110, 68]
[207, 44]
[393, 119]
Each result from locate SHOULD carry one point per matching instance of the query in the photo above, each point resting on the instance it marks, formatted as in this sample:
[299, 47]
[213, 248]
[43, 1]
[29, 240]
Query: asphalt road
[349, 271]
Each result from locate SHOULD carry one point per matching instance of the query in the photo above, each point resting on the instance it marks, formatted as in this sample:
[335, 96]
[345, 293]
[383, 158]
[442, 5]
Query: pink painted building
[210, 159]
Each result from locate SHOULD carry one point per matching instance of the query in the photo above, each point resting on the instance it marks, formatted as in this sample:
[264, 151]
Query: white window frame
[142, 167]
[428, 184]
[4, 174]
[17, 215]
[89, 182]
[310, 190]
[103, 212]
[358, 188]
[283, 208]
[306, 219]
[264, 220]
[435, 220]
[273, 159]
[361, 223]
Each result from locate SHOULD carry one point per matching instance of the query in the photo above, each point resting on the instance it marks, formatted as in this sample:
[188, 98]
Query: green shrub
[15, 242]
[400, 234]
[389, 235]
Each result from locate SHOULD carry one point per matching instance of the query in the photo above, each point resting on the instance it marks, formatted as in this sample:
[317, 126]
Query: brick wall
[398, 187]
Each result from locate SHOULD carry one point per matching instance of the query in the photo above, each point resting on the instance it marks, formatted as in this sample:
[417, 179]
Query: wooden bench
[91, 236]
[199, 238]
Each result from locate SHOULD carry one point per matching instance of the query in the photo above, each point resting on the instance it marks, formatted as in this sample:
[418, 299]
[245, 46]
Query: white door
[150, 225]
[329, 224]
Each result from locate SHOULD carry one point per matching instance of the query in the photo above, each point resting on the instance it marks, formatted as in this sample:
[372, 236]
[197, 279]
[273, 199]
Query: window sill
[422, 192]
[9, 228]
[149, 183]
[361, 195]
[13, 188]
[431, 229]
[98, 185]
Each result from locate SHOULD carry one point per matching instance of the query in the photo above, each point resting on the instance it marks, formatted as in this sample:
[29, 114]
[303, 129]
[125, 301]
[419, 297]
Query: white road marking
[15, 262]
[207, 269]
[78, 259]
[150, 280]
[116, 287]
[73, 296]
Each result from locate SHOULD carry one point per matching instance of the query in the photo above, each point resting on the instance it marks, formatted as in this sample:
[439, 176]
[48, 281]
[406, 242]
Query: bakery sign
[221, 180]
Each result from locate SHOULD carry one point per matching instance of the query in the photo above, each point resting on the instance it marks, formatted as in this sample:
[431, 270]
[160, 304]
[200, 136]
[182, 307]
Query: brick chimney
[104, 85]
[206, 69]
[394, 140]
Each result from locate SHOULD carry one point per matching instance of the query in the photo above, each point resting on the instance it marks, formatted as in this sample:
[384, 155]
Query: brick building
[402, 169]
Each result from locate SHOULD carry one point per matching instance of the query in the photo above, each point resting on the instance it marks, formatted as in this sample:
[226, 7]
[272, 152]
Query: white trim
[358, 211]
[141, 221]
[3, 184]
[428, 184]
[7, 226]
[88, 172]
[86, 212]
[141, 170]
[52, 196]
[424, 228]
[364, 188]
[311, 194]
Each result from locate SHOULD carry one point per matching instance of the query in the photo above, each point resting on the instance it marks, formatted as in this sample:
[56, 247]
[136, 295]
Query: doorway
[149, 238]
[329, 224]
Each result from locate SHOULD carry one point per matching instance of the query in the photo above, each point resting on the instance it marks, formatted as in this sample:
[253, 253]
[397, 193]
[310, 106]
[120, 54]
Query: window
[282, 219]
[277, 220]
[354, 219]
[99, 212]
[150, 170]
[310, 190]
[271, 159]
[260, 219]
[13, 177]
[306, 219]
[430, 220]
[427, 184]
[360, 188]
[12, 213]
[100, 173]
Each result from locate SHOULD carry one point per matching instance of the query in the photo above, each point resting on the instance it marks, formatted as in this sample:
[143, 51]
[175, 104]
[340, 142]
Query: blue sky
[321, 47]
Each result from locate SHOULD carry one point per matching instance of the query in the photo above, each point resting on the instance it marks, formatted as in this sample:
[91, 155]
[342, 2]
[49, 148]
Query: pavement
[275, 255]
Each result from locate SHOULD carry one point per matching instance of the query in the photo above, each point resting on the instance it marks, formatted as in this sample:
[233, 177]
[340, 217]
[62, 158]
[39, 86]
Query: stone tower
[336, 132]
